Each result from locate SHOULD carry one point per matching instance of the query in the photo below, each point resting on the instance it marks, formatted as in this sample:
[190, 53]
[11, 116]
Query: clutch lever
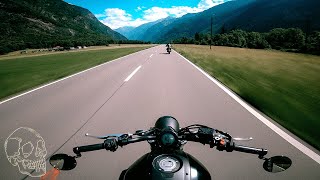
[242, 139]
[107, 135]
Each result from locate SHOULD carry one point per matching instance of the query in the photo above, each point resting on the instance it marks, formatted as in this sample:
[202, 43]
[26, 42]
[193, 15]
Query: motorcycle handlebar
[93, 147]
[112, 145]
[109, 144]
[260, 151]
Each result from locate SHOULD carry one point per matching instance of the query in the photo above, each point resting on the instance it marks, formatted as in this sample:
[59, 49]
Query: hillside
[45, 23]
[137, 33]
[152, 33]
[249, 15]
[189, 24]
[125, 31]
[165, 30]
[265, 15]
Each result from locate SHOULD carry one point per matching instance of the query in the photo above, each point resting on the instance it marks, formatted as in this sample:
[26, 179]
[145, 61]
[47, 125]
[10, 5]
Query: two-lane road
[131, 93]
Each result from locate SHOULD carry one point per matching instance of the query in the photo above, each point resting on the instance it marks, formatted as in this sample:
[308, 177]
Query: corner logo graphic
[26, 149]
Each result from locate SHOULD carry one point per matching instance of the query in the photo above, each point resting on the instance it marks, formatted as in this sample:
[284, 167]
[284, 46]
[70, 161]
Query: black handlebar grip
[93, 147]
[261, 152]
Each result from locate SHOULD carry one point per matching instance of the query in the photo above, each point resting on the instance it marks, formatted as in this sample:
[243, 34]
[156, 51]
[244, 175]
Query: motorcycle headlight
[168, 138]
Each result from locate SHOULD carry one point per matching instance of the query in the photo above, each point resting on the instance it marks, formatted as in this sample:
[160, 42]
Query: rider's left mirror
[277, 164]
[63, 162]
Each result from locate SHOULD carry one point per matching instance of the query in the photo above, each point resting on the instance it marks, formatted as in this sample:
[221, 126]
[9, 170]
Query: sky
[119, 13]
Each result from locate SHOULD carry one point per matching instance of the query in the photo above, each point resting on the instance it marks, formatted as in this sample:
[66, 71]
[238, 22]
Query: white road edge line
[130, 76]
[66, 78]
[276, 129]
[151, 55]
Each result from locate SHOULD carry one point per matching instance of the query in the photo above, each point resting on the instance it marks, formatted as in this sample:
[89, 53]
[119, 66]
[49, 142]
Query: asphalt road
[100, 101]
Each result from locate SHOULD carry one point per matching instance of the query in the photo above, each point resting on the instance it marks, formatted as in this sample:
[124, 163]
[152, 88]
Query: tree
[4, 49]
[256, 40]
[294, 38]
[67, 43]
[276, 38]
[204, 42]
[184, 40]
[313, 43]
[222, 40]
[197, 37]
[238, 38]
[191, 41]
[223, 29]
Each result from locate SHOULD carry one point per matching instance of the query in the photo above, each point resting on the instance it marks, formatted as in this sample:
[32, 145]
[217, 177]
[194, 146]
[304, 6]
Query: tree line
[291, 39]
[7, 46]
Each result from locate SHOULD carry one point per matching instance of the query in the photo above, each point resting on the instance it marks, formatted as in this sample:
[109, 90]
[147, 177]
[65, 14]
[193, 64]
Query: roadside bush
[294, 38]
[276, 38]
[238, 38]
[221, 40]
[203, 42]
[197, 37]
[256, 40]
[313, 43]
[4, 50]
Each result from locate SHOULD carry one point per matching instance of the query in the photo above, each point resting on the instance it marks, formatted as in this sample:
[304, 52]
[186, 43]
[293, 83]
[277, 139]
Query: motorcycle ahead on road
[167, 160]
[168, 50]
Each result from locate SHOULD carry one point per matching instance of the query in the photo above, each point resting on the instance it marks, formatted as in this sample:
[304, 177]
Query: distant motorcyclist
[168, 45]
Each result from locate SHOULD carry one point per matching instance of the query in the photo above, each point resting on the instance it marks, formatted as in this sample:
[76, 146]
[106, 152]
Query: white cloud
[139, 8]
[115, 17]
[100, 15]
[156, 13]
[206, 4]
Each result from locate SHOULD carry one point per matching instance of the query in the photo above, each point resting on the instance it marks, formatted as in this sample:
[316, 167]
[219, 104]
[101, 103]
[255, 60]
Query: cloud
[139, 8]
[206, 4]
[115, 17]
[156, 13]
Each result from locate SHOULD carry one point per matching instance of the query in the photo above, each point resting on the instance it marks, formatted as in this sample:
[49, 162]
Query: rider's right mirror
[277, 164]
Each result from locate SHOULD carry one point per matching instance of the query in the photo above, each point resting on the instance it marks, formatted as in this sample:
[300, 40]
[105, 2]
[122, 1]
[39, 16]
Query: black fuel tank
[175, 166]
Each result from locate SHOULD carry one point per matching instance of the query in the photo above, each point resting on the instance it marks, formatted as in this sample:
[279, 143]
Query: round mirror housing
[63, 162]
[277, 164]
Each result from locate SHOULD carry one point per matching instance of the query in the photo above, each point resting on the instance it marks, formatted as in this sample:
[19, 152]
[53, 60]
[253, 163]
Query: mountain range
[41, 23]
[249, 15]
[145, 32]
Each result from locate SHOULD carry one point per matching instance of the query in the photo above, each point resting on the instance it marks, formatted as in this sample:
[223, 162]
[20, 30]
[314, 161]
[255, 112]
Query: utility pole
[211, 33]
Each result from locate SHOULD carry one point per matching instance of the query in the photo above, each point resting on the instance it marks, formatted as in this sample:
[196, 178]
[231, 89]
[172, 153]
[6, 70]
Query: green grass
[22, 73]
[284, 86]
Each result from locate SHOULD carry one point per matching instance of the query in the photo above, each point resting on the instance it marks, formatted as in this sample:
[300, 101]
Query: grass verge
[22, 73]
[284, 86]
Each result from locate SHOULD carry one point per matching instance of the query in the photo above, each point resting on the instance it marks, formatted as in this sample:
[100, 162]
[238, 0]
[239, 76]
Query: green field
[285, 86]
[20, 73]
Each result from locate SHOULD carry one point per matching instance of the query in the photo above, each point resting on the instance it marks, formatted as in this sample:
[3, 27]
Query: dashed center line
[151, 55]
[130, 76]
